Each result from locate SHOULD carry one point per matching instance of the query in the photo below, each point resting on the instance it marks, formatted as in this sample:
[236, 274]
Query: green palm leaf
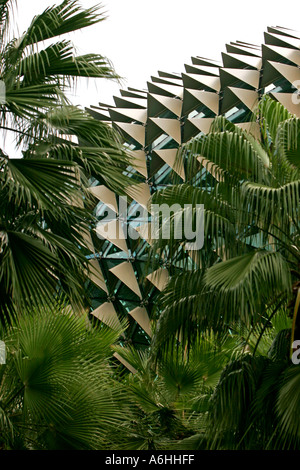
[46, 209]
[287, 405]
[63, 387]
[288, 142]
[59, 59]
[230, 151]
[272, 114]
[58, 20]
[236, 283]
[46, 183]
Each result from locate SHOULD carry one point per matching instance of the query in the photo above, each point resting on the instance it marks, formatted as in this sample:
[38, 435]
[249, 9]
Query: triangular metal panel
[209, 99]
[286, 100]
[202, 70]
[132, 93]
[169, 126]
[114, 233]
[289, 72]
[135, 131]
[156, 103]
[125, 363]
[108, 315]
[106, 196]
[238, 49]
[167, 81]
[144, 231]
[206, 62]
[202, 124]
[198, 82]
[279, 40]
[125, 273]
[169, 157]
[284, 31]
[270, 74]
[140, 315]
[234, 96]
[231, 76]
[139, 115]
[96, 275]
[239, 60]
[139, 193]
[168, 74]
[135, 103]
[165, 90]
[251, 127]
[99, 114]
[211, 168]
[88, 240]
[152, 132]
[159, 278]
[277, 54]
[139, 161]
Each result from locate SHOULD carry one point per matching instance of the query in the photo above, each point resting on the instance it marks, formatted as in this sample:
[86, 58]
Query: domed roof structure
[154, 122]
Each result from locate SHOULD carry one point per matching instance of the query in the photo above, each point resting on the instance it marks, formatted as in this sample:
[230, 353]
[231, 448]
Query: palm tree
[56, 388]
[46, 210]
[207, 397]
[245, 277]
[249, 265]
[169, 399]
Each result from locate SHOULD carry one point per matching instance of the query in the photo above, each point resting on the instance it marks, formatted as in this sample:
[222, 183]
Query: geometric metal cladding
[174, 108]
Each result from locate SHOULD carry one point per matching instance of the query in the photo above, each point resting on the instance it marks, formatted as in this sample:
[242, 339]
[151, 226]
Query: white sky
[141, 37]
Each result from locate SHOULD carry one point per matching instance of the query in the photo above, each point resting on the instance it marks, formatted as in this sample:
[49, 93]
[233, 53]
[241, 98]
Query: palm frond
[288, 143]
[288, 403]
[59, 60]
[29, 101]
[271, 114]
[46, 183]
[57, 364]
[235, 284]
[232, 152]
[5, 7]
[58, 20]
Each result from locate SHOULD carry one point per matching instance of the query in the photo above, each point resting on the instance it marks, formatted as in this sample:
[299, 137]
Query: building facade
[154, 122]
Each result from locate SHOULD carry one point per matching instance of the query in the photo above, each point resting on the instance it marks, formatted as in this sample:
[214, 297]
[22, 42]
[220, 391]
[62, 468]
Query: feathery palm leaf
[251, 251]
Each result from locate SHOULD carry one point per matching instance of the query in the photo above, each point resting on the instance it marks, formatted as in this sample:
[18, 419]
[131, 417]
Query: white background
[141, 37]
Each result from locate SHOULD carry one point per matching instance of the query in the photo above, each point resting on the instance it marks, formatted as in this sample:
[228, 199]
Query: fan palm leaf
[56, 389]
